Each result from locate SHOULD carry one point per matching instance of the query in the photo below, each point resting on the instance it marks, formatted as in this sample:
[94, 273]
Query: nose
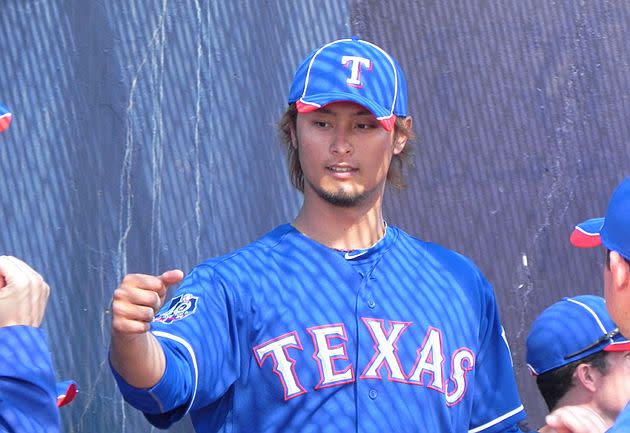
[341, 142]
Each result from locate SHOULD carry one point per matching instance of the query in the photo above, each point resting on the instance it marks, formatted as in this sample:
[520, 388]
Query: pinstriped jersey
[287, 335]
[622, 423]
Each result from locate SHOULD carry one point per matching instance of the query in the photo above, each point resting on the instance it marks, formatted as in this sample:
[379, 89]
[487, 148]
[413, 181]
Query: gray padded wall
[521, 109]
[143, 139]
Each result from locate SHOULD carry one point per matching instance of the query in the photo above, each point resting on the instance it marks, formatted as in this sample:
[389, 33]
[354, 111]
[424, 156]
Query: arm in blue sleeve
[167, 401]
[28, 401]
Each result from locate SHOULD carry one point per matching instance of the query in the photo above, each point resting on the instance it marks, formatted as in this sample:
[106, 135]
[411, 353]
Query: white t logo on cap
[355, 64]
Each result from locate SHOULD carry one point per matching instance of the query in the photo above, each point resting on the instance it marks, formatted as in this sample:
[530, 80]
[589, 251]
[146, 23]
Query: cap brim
[386, 119]
[5, 121]
[587, 234]
[66, 392]
[618, 346]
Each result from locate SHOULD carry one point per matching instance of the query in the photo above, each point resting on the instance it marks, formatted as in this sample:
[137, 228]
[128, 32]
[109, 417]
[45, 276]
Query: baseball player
[336, 322]
[27, 382]
[569, 369]
[612, 231]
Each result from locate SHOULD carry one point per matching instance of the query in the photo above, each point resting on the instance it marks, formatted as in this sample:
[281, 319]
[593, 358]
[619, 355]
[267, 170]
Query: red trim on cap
[67, 398]
[306, 108]
[5, 121]
[581, 239]
[388, 124]
[618, 347]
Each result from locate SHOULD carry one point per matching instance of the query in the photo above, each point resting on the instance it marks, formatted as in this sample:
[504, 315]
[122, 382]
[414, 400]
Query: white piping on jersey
[349, 256]
[507, 345]
[496, 420]
[190, 350]
[595, 316]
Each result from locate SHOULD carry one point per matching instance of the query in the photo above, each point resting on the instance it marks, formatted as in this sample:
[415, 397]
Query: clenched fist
[23, 294]
[138, 298]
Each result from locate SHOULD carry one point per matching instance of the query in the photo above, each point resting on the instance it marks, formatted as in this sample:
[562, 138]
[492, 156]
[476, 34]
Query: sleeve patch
[180, 307]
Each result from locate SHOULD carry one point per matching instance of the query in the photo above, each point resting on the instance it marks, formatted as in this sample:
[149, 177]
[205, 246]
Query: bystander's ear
[618, 291]
[587, 377]
[620, 271]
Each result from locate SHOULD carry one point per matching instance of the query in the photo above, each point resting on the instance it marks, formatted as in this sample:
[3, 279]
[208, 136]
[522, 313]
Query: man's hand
[576, 419]
[135, 353]
[138, 299]
[23, 294]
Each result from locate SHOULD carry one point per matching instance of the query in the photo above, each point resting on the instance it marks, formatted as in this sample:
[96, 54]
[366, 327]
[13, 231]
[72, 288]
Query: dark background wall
[143, 139]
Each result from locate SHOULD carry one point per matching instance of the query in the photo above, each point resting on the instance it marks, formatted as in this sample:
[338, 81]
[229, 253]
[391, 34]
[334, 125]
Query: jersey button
[371, 303]
[373, 394]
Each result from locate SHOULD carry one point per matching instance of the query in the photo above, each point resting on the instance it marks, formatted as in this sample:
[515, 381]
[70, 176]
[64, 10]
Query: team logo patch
[180, 307]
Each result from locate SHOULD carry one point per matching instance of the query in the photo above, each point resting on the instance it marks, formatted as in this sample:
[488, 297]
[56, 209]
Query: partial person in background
[613, 231]
[28, 395]
[569, 368]
[337, 322]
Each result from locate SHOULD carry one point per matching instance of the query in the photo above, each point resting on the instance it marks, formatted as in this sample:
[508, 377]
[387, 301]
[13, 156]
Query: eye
[366, 125]
[321, 124]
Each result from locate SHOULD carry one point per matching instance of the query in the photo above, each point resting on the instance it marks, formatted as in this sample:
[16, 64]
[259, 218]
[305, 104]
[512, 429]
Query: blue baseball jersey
[622, 423]
[287, 335]
[28, 397]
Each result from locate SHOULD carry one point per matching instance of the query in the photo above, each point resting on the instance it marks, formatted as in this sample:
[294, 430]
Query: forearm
[138, 358]
[27, 381]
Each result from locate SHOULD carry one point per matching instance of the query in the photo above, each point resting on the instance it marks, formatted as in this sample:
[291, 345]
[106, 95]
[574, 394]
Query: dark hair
[395, 176]
[554, 384]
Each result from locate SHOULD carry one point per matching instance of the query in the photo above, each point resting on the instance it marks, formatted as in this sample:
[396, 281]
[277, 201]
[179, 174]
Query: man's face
[617, 292]
[344, 153]
[614, 391]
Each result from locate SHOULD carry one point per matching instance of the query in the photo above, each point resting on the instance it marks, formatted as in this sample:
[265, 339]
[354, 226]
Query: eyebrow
[358, 113]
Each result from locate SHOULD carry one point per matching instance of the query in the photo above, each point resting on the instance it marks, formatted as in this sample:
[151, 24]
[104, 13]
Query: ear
[620, 272]
[587, 376]
[401, 139]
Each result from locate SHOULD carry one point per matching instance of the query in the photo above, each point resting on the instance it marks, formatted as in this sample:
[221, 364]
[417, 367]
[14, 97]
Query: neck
[342, 228]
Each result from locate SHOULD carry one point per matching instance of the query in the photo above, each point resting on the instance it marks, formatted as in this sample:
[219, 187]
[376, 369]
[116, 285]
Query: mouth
[341, 169]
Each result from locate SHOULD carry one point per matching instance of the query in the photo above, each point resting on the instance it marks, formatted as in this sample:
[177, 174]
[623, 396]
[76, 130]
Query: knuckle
[129, 279]
[119, 294]
[117, 311]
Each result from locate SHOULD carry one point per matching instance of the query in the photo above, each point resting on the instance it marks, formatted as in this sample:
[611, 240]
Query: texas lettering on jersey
[331, 358]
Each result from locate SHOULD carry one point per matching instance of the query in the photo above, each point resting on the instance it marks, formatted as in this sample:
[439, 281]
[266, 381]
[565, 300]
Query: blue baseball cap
[351, 70]
[570, 330]
[613, 230]
[5, 117]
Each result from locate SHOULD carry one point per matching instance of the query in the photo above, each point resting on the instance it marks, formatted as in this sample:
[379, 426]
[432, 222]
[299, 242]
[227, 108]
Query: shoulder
[428, 261]
[435, 254]
[622, 423]
[260, 247]
[245, 261]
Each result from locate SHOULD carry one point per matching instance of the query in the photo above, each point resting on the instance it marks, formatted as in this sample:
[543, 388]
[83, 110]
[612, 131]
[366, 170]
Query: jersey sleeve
[197, 329]
[622, 423]
[27, 381]
[496, 404]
